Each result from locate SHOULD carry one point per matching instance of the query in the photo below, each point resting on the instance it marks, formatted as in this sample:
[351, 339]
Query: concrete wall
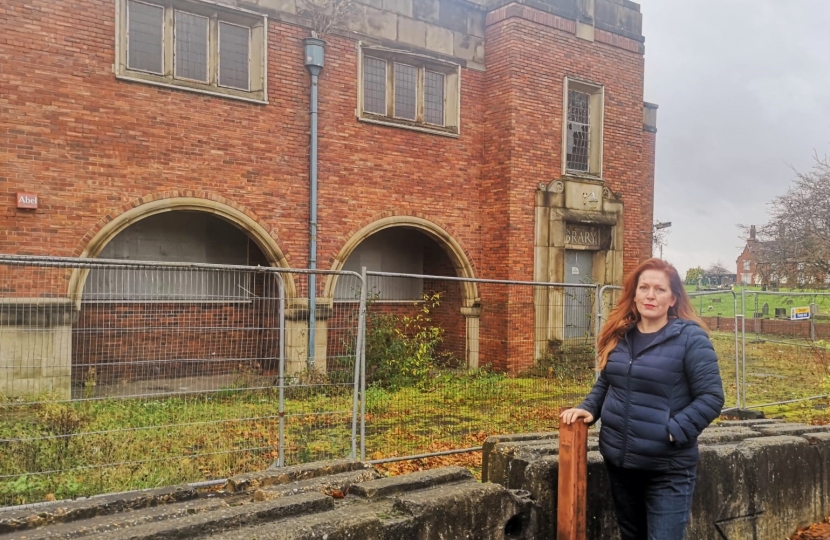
[333, 501]
[757, 479]
[35, 347]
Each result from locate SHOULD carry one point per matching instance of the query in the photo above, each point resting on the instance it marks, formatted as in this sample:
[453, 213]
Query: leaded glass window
[579, 131]
[191, 37]
[374, 85]
[234, 46]
[145, 31]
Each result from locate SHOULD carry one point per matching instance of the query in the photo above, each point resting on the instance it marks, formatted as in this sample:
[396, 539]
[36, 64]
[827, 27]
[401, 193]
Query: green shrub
[401, 350]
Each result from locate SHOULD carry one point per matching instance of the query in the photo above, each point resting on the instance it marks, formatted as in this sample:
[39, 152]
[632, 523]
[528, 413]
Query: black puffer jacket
[672, 387]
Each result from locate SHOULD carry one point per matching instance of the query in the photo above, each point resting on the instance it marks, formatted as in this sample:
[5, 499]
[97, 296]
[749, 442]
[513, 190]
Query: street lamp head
[662, 225]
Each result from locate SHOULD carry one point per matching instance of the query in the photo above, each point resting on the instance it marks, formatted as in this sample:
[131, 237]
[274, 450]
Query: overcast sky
[744, 93]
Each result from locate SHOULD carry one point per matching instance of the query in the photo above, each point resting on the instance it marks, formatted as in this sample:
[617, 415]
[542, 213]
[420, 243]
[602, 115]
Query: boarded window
[396, 250]
[173, 237]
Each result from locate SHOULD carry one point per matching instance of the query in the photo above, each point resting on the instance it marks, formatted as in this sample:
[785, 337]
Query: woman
[659, 386]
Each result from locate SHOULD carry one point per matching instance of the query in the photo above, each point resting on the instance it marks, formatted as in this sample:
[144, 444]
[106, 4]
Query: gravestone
[765, 309]
[780, 313]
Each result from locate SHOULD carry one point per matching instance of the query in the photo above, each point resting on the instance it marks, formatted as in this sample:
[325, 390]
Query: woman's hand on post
[570, 416]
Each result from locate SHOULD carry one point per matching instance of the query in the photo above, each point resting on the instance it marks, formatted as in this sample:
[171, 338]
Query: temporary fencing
[784, 346]
[118, 375]
[452, 360]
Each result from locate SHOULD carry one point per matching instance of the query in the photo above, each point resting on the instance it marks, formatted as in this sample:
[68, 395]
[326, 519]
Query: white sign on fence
[799, 313]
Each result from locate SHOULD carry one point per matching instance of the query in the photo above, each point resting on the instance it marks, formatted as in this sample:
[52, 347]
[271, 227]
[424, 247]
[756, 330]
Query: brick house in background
[747, 264]
[502, 140]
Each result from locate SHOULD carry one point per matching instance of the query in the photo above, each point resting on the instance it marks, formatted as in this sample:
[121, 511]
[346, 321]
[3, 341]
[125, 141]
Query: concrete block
[469, 510]
[466, 46]
[475, 23]
[344, 523]
[791, 429]
[425, 10]
[381, 24]
[69, 511]
[282, 6]
[786, 493]
[419, 480]
[412, 32]
[723, 435]
[491, 442]
[36, 362]
[453, 15]
[750, 423]
[327, 485]
[439, 39]
[617, 16]
[401, 7]
[284, 475]
[199, 526]
[821, 445]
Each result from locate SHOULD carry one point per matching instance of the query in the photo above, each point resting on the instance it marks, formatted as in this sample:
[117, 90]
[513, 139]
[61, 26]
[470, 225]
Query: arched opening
[179, 327]
[426, 254]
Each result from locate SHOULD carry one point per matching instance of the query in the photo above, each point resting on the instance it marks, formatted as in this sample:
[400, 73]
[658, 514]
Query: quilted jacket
[672, 387]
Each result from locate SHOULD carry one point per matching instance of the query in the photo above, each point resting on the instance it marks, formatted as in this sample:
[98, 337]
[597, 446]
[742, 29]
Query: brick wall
[778, 327]
[93, 147]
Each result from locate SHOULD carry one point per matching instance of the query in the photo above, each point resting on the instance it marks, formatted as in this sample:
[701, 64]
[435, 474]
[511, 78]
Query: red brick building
[503, 140]
[747, 265]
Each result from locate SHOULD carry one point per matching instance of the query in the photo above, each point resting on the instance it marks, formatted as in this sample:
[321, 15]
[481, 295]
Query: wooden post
[571, 510]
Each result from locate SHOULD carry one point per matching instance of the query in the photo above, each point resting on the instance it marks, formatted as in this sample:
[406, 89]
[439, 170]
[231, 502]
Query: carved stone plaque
[584, 236]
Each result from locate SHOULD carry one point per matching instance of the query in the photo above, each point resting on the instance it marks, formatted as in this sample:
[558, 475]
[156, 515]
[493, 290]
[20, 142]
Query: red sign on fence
[27, 200]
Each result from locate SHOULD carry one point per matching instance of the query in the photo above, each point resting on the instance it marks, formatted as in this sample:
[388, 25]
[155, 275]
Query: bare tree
[717, 268]
[659, 239]
[328, 14]
[795, 243]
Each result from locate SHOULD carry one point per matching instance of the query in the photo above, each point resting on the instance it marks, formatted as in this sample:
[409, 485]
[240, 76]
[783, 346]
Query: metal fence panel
[785, 356]
[471, 358]
[119, 375]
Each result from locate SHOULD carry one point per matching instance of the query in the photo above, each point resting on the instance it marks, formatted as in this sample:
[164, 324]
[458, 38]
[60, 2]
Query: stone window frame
[452, 91]
[258, 50]
[596, 108]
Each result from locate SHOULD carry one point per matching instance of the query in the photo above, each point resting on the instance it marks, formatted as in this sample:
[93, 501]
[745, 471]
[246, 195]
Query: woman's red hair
[625, 314]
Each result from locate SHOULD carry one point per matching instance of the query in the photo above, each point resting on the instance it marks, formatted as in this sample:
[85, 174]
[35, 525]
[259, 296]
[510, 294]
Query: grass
[70, 449]
[723, 305]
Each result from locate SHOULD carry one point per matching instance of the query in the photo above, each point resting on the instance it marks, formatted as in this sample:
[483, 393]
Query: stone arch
[470, 299]
[111, 226]
[456, 254]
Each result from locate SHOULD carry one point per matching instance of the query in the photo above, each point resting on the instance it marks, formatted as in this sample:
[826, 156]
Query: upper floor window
[746, 265]
[582, 136]
[408, 90]
[193, 45]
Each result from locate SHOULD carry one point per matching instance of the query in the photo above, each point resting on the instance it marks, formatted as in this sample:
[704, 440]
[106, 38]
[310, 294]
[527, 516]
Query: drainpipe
[314, 54]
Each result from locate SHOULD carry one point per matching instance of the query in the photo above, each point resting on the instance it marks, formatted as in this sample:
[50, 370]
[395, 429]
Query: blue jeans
[652, 505]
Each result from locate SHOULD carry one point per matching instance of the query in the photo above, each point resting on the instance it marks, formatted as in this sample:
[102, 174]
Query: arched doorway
[416, 247]
[176, 323]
